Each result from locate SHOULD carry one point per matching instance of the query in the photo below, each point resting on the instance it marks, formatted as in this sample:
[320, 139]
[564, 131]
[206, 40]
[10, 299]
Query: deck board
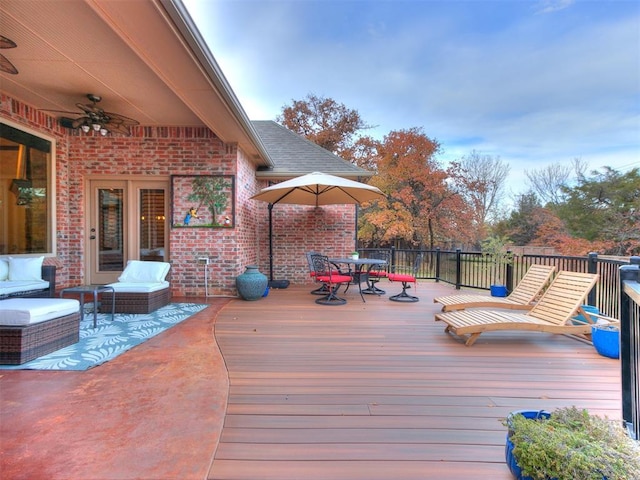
[377, 390]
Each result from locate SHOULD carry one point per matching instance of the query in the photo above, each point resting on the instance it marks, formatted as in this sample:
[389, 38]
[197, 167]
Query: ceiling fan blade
[6, 66]
[86, 108]
[121, 119]
[78, 122]
[6, 42]
[113, 127]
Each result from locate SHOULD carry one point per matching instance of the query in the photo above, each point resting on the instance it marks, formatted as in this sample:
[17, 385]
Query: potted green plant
[355, 255]
[496, 255]
[569, 444]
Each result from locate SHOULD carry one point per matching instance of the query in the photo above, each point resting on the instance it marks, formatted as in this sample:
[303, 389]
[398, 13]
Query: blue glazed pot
[606, 340]
[251, 284]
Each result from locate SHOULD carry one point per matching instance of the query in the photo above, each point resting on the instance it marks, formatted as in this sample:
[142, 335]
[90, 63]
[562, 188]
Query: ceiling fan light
[96, 127]
[85, 128]
[103, 131]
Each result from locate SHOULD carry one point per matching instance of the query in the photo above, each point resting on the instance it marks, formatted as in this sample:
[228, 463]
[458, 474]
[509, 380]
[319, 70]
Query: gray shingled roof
[293, 155]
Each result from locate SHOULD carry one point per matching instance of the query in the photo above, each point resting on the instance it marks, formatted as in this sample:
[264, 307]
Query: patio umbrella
[316, 189]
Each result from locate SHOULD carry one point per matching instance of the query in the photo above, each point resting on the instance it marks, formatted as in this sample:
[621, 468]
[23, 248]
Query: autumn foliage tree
[420, 207]
[325, 122]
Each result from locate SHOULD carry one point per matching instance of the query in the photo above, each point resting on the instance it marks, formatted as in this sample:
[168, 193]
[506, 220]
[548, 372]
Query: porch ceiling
[144, 57]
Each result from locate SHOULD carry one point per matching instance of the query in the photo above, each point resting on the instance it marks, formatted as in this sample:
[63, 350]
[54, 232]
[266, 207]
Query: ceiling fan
[5, 65]
[97, 120]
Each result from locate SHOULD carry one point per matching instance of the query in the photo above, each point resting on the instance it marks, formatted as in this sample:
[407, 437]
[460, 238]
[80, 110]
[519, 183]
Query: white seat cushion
[8, 287]
[27, 311]
[138, 287]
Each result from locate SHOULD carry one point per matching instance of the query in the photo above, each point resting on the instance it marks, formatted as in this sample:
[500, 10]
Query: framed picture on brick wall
[202, 201]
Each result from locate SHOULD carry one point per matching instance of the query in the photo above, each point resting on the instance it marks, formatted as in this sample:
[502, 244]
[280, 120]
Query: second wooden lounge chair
[528, 289]
[552, 314]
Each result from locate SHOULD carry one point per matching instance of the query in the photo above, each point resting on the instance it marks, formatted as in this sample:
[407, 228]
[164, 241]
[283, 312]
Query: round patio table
[357, 274]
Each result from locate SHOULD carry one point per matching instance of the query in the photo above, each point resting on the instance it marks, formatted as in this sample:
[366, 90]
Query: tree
[605, 207]
[324, 122]
[551, 183]
[483, 179]
[521, 226]
[420, 207]
[363, 152]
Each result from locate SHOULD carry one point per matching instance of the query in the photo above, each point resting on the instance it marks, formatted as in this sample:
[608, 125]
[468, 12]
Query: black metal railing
[617, 295]
[630, 345]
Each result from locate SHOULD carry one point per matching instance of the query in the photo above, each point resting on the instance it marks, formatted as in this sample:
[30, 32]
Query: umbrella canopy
[317, 189]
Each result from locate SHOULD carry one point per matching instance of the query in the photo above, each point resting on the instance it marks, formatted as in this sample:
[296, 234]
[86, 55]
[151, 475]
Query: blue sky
[533, 82]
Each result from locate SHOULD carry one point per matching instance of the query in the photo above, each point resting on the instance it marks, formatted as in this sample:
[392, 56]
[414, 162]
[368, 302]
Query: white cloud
[550, 6]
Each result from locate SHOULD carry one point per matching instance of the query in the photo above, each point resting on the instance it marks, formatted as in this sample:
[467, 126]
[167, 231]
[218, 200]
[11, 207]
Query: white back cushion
[25, 268]
[144, 272]
[4, 269]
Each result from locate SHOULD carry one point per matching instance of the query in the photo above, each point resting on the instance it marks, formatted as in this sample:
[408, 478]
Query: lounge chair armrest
[607, 319]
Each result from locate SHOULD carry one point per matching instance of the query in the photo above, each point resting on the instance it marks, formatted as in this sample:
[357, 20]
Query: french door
[127, 220]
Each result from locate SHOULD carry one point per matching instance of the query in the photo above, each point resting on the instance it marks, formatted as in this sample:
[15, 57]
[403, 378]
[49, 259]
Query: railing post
[509, 275]
[458, 268]
[629, 351]
[592, 267]
[437, 264]
[393, 258]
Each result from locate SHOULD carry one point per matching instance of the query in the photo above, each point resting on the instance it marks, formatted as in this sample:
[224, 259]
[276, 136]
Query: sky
[533, 82]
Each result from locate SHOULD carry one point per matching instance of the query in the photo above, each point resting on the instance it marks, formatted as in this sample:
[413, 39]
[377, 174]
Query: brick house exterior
[157, 151]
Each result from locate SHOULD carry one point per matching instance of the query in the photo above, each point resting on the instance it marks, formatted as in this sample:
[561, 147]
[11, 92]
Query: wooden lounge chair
[528, 289]
[552, 313]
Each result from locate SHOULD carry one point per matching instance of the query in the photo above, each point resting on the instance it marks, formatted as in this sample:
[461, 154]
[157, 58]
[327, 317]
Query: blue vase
[251, 284]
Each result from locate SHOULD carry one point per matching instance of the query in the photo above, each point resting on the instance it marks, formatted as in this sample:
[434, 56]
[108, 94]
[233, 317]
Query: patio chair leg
[404, 296]
[331, 299]
[323, 290]
[373, 289]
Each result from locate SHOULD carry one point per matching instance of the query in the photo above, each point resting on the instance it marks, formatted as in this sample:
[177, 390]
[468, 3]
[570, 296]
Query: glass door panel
[110, 230]
[152, 225]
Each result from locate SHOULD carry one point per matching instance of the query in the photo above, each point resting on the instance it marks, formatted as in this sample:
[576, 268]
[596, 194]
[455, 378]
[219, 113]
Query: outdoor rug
[110, 339]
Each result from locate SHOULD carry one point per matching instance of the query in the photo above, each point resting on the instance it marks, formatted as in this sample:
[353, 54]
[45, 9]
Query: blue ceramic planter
[606, 340]
[252, 284]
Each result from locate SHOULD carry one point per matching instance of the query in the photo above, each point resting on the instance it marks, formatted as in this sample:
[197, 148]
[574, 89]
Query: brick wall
[298, 229]
[164, 151]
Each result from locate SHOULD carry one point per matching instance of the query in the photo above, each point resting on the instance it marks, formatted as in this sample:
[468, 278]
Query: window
[26, 192]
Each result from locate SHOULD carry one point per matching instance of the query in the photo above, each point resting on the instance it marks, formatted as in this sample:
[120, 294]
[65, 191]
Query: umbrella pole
[270, 242]
[273, 283]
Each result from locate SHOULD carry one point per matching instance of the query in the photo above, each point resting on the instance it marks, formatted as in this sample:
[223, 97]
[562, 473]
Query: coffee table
[95, 290]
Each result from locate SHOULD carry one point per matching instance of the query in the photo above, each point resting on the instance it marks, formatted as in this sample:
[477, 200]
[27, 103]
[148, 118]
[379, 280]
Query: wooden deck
[379, 391]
